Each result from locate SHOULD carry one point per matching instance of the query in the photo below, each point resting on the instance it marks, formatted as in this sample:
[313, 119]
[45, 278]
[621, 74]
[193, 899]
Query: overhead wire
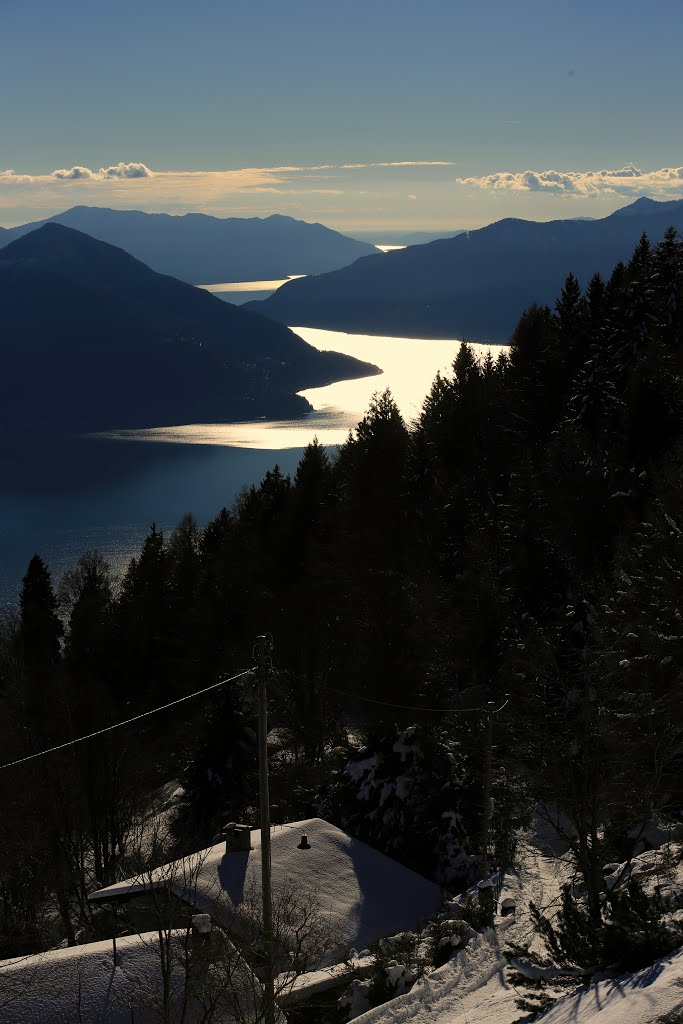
[216, 686]
[128, 721]
[414, 707]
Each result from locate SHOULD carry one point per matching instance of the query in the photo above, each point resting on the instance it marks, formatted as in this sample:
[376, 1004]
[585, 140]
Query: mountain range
[473, 286]
[207, 250]
[406, 237]
[91, 338]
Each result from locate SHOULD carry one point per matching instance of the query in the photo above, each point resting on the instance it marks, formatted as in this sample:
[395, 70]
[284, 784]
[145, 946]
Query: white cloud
[11, 177]
[122, 170]
[628, 180]
[117, 171]
[390, 163]
[73, 174]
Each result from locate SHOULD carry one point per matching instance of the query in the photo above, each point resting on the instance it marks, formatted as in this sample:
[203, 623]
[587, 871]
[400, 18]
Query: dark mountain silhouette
[206, 250]
[475, 285]
[90, 337]
[406, 237]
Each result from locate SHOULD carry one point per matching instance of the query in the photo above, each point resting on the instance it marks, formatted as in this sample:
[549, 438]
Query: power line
[128, 721]
[412, 707]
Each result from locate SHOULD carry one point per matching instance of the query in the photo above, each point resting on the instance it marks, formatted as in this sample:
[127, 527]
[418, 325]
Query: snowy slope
[472, 987]
[472, 990]
[646, 997]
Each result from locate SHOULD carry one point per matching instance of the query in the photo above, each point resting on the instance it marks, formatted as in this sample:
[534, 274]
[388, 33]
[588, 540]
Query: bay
[61, 496]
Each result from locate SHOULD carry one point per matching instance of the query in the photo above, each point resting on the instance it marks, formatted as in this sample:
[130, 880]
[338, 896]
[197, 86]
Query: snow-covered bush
[443, 936]
[634, 929]
[402, 793]
[399, 960]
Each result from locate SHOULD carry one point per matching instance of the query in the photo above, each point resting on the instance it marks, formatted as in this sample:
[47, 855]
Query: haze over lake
[60, 498]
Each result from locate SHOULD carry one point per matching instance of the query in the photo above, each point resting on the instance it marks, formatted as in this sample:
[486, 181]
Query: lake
[60, 498]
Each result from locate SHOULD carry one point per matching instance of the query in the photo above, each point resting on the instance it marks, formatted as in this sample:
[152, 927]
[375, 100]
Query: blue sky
[250, 108]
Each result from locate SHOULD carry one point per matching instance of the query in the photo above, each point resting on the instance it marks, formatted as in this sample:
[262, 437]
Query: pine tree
[571, 316]
[142, 618]
[38, 646]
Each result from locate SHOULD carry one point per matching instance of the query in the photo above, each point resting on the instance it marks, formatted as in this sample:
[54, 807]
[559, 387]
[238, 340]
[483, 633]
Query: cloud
[135, 185]
[629, 180]
[244, 177]
[122, 170]
[390, 163]
[10, 176]
[117, 171]
[73, 174]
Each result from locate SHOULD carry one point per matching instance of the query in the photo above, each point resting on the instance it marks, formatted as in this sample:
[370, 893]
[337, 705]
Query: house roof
[362, 893]
[83, 983]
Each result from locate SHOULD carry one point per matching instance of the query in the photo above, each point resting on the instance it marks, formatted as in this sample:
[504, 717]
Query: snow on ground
[361, 893]
[472, 987]
[646, 997]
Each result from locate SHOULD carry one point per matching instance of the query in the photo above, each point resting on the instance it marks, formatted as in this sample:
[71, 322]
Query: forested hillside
[92, 338]
[472, 612]
[475, 285]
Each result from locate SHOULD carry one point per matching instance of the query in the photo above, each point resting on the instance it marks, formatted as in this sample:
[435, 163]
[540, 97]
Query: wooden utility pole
[263, 650]
[486, 794]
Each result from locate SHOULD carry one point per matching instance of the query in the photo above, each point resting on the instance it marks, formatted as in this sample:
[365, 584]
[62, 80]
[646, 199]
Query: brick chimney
[237, 837]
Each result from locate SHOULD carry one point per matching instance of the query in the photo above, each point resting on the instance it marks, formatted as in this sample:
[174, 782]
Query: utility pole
[486, 795]
[263, 649]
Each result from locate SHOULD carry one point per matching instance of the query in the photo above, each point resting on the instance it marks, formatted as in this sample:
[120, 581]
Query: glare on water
[408, 366]
[248, 286]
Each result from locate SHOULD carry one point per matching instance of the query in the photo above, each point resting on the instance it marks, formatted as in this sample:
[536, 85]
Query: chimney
[201, 924]
[237, 837]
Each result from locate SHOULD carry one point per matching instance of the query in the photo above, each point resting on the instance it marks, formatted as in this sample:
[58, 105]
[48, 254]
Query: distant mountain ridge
[92, 338]
[406, 237]
[473, 286]
[200, 249]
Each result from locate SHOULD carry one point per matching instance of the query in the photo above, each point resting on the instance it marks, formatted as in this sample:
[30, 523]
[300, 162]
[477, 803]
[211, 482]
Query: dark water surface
[60, 497]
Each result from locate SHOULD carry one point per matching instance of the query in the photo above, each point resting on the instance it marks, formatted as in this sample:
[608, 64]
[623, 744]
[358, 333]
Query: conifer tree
[142, 617]
[38, 645]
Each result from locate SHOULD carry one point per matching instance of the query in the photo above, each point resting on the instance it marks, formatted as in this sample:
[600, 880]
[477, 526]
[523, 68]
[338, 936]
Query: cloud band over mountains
[127, 171]
[346, 195]
[247, 189]
[627, 181]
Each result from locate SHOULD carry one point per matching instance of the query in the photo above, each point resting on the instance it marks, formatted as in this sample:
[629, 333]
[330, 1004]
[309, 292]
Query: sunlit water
[61, 497]
[409, 366]
[238, 292]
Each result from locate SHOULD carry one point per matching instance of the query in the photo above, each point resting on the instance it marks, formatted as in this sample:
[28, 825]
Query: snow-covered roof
[302, 988]
[82, 983]
[362, 893]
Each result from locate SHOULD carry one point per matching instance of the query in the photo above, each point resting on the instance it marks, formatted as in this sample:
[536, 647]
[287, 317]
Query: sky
[366, 115]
